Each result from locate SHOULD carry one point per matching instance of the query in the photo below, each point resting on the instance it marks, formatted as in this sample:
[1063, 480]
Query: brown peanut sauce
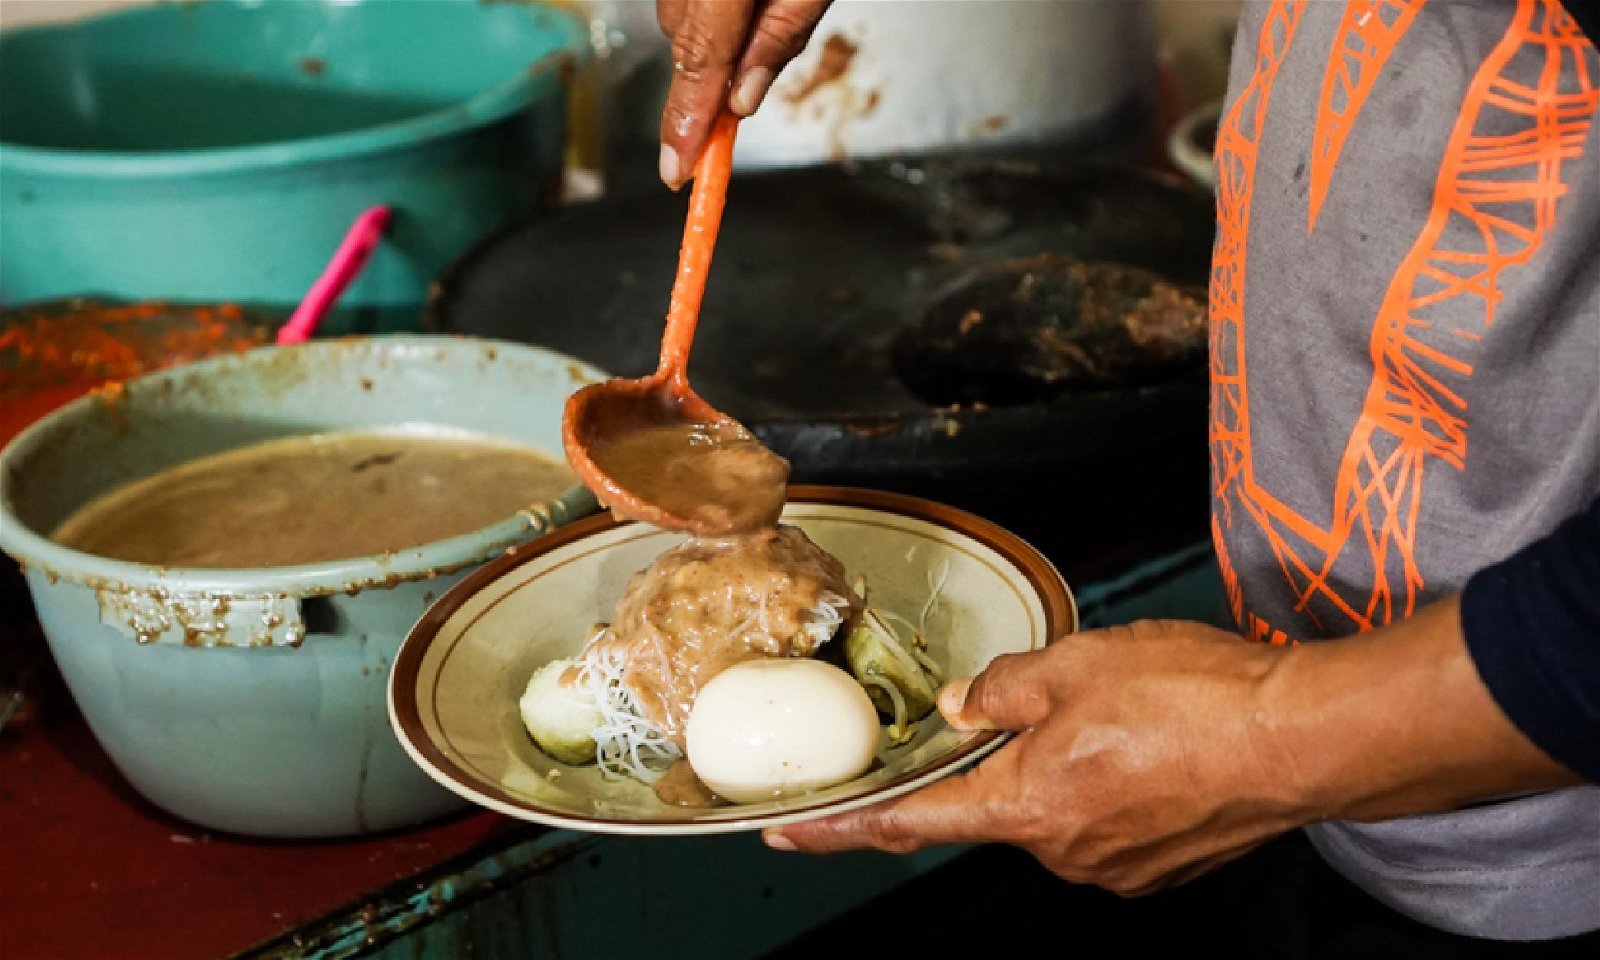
[708, 604]
[309, 499]
[679, 787]
[716, 477]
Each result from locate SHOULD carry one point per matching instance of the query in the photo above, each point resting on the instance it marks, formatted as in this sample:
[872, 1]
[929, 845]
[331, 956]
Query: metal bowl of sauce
[225, 556]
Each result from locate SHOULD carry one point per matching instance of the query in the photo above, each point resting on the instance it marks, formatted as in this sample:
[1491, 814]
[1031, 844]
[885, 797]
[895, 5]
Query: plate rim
[405, 717]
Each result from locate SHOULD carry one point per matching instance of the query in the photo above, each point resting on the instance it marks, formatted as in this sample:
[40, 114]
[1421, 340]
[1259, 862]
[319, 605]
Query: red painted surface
[89, 869]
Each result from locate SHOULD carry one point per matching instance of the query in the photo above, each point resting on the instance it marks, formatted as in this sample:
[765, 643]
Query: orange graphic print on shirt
[1494, 199]
[1367, 35]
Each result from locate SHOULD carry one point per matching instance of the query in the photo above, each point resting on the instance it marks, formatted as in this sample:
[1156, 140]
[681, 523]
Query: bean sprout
[899, 731]
[933, 598]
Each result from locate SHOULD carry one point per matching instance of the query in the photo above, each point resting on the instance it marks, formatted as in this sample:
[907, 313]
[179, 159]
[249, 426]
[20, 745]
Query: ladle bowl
[616, 407]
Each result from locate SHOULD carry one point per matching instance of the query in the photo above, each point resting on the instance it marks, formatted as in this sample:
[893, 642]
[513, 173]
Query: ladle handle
[699, 240]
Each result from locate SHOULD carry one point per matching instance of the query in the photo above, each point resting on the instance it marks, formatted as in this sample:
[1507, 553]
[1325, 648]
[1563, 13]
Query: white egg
[772, 728]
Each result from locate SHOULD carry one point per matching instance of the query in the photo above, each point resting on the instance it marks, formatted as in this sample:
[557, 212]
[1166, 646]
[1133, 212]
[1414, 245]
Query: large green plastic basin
[255, 701]
[218, 150]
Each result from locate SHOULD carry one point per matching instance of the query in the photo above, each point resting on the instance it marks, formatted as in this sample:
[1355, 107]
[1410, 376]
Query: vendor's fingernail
[778, 841]
[954, 695]
[671, 168]
[752, 87]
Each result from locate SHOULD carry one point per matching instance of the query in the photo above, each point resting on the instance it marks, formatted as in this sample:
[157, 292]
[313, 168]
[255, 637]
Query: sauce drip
[679, 787]
[309, 499]
[715, 477]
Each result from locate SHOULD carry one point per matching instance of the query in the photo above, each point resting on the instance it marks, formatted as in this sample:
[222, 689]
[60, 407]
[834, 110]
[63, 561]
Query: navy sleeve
[1587, 15]
[1532, 625]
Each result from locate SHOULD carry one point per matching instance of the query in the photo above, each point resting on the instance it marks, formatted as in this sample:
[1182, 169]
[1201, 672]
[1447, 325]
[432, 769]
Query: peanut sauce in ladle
[650, 448]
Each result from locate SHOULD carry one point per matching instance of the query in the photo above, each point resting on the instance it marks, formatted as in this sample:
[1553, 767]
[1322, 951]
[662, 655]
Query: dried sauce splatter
[837, 54]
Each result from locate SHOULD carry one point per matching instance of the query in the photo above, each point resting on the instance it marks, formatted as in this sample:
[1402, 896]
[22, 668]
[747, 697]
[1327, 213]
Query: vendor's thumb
[1010, 694]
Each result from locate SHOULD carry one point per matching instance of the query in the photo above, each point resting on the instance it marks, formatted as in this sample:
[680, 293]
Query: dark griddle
[815, 271]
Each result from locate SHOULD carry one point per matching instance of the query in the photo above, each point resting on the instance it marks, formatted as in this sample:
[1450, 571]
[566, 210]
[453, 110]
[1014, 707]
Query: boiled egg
[773, 728]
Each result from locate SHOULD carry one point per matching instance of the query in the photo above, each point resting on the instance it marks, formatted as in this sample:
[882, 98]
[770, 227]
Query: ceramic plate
[454, 688]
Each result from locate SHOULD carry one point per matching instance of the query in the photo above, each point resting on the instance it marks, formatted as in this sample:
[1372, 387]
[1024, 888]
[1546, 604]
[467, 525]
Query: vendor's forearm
[1397, 721]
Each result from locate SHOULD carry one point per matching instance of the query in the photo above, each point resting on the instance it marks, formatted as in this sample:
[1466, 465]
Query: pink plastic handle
[352, 255]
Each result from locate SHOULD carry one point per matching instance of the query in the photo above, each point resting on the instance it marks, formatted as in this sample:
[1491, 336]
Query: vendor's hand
[1152, 753]
[1141, 761]
[715, 44]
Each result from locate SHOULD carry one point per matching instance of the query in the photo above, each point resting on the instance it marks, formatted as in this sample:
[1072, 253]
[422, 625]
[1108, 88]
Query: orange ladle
[651, 448]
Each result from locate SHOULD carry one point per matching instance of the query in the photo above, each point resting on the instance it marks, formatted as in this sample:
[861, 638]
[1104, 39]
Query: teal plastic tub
[253, 701]
[218, 150]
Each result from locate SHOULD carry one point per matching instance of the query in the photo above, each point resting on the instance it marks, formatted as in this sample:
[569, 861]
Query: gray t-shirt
[1406, 371]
